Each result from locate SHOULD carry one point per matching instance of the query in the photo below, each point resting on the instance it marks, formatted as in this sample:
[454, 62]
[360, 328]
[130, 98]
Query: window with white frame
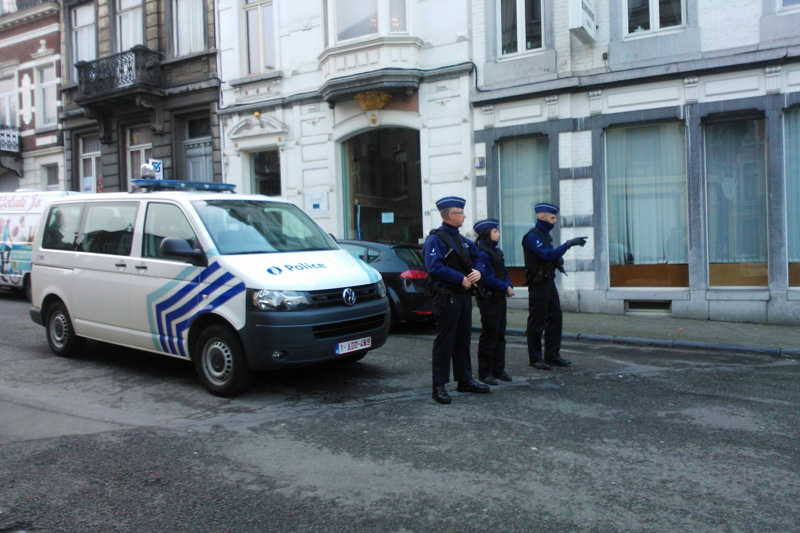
[260, 23]
[521, 26]
[188, 26]
[51, 176]
[786, 4]
[84, 34]
[8, 6]
[8, 102]
[644, 16]
[139, 148]
[130, 24]
[46, 96]
[90, 162]
[351, 19]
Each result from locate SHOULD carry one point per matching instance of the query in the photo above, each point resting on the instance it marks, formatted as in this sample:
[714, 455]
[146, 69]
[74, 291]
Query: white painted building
[356, 110]
[668, 132]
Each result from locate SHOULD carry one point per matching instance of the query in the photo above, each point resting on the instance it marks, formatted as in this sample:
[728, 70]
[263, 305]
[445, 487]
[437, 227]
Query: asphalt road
[628, 439]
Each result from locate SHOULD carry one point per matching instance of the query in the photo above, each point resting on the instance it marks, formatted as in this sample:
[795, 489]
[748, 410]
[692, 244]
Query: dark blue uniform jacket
[435, 250]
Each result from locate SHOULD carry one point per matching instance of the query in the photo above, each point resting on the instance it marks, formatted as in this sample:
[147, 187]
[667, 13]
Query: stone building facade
[140, 83]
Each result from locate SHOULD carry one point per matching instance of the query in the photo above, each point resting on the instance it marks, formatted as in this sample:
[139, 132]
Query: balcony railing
[9, 138]
[137, 66]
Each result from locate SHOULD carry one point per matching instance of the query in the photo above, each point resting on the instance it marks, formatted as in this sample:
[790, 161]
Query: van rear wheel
[220, 363]
[60, 333]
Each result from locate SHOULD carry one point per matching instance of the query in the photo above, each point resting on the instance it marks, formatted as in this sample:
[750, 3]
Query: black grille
[333, 297]
[348, 327]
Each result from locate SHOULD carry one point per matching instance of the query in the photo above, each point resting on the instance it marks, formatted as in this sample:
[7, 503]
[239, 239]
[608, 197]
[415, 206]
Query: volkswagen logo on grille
[349, 296]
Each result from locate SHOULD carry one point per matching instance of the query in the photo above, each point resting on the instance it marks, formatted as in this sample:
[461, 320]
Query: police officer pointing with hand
[544, 306]
[454, 267]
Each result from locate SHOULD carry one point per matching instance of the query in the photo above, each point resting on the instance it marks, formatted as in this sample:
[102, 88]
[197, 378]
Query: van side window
[165, 220]
[108, 228]
[61, 229]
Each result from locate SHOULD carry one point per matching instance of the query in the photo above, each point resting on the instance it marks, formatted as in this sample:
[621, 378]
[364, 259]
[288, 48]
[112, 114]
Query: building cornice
[27, 16]
[600, 81]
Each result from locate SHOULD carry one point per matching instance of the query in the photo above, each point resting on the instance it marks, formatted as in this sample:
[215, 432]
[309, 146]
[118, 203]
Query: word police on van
[234, 283]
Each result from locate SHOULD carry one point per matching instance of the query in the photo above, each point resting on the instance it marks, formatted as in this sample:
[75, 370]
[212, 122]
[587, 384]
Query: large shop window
[791, 145]
[260, 36]
[737, 203]
[647, 206]
[645, 16]
[130, 23]
[84, 35]
[524, 182]
[519, 37]
[359, 18]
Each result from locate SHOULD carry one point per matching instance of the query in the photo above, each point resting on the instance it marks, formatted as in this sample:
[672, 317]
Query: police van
[234, 283]
[19, 215]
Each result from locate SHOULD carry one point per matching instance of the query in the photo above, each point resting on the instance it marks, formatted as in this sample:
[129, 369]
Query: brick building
[31, 147]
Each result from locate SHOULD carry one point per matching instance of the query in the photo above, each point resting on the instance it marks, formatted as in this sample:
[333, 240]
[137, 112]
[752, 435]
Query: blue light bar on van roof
[178, 185]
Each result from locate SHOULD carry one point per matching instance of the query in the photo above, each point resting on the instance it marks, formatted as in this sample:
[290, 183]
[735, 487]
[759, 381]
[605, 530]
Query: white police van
[234, 283]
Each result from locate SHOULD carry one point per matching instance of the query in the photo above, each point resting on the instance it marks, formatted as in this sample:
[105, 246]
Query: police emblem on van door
[349, 296]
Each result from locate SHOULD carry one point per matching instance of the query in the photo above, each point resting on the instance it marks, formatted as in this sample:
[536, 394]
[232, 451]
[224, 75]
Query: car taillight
[414, 274]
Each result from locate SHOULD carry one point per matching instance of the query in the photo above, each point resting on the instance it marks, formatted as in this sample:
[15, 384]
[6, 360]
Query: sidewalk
[667, 331]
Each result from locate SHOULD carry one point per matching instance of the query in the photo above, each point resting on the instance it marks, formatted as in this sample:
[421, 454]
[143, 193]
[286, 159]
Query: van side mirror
[177, 247]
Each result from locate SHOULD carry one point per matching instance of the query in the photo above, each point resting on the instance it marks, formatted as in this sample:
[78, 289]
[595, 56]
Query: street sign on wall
[582, 20]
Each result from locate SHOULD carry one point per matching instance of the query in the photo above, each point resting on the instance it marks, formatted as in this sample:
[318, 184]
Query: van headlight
[273, 300]
[381, 289]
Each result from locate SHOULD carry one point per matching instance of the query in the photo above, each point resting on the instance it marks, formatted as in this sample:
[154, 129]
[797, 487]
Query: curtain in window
[356, 18]
[508, 27]
[524, 182]
[533, 24]
[8, 102]
[791, 147]
[188, 26]
[84, 34]
[647, 213]
[669, 13]
[397, 14]
[737, 202]
[131, 24]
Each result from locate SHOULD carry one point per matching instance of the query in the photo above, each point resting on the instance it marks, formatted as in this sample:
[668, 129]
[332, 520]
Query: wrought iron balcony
[9, 139]
[138, 69]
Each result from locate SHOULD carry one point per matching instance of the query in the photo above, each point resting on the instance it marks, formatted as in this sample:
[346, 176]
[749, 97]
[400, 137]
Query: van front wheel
[60, 333]
[220, 363]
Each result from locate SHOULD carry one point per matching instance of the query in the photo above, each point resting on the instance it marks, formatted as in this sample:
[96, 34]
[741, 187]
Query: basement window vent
[648, 307]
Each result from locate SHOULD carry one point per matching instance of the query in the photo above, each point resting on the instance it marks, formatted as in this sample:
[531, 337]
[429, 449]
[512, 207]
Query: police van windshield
[258, 227]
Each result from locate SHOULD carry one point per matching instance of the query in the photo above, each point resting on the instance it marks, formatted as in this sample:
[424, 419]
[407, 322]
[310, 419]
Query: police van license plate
[353, 346]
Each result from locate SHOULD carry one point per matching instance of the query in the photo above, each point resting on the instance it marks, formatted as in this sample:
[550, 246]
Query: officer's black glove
[577, 241]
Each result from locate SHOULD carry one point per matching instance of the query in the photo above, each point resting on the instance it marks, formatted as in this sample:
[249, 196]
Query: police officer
[454, 268]
[492, 303]
[544, 306]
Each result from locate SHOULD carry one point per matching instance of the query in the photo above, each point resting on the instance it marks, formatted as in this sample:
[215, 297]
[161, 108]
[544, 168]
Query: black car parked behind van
[403, 270]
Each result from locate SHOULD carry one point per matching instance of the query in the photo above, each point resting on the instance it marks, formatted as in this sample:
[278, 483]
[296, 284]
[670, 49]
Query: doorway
[383, 186]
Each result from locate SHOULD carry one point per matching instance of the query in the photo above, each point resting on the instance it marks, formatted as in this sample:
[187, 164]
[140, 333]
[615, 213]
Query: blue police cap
[489, 223]
[545, 207]
[450, 201]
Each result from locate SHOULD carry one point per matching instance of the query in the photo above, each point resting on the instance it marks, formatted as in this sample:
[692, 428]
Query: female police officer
[492, 303]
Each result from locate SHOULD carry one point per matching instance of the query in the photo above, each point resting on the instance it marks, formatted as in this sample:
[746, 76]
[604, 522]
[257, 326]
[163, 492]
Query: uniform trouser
[453, 315]
[544, 316]
[492, 344]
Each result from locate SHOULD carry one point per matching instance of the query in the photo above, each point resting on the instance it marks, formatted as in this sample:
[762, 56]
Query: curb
[777, 351]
